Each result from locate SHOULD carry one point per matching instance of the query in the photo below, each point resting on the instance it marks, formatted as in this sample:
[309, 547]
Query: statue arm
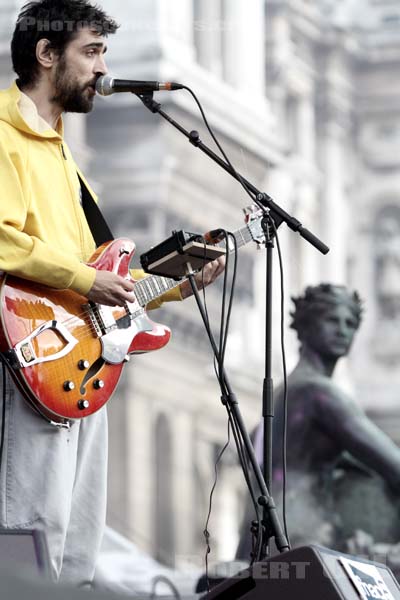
[349, 427]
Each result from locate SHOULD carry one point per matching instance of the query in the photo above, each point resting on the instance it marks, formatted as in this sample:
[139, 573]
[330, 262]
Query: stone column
[177, 17]
[176, 31]
[140, 469]
[306, 127]
[334, 210]
[334, 150]
[244, 39]
[184, 500]
[209, 28]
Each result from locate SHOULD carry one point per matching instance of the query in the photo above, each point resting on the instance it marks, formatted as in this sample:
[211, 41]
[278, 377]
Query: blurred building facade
[304, 98]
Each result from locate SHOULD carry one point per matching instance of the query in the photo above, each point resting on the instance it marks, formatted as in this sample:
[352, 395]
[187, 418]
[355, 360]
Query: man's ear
[45, 55]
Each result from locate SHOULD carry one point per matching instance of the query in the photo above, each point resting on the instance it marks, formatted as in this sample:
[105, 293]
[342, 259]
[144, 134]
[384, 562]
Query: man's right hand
[111, 289]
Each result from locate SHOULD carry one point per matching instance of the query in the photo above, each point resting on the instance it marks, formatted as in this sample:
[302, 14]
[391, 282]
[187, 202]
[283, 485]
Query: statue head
[326, 318]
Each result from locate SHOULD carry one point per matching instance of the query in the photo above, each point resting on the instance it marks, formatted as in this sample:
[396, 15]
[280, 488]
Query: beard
[71, 96]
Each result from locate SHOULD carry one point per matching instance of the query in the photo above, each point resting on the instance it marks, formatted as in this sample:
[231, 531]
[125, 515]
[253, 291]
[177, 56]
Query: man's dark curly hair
[58, 21]
[317, 300]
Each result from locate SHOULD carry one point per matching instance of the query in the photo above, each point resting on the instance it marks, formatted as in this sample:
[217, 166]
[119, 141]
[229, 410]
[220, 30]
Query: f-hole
[91, 372]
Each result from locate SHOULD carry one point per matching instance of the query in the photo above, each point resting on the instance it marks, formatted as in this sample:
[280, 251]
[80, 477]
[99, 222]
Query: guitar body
[71, 353]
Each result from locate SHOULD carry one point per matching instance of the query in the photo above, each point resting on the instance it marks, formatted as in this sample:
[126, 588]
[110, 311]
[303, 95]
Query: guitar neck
[153, 286]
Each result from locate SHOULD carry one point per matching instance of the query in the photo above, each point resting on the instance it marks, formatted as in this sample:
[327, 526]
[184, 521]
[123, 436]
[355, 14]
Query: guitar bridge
[92, 312]
[103, 321]
[101, 317]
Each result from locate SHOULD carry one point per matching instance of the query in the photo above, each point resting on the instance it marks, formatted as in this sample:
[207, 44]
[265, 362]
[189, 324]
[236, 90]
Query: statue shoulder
[311, 383]
[317, 390]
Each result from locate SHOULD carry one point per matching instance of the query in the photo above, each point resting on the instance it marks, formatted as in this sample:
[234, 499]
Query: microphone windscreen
[104, 85]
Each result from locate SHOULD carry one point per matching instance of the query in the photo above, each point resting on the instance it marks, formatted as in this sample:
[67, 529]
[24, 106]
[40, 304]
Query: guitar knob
[98, 384]
[83, 404]
[69, 386]
[83, 365]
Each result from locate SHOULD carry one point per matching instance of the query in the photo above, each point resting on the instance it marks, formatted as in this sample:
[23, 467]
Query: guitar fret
[168, 284]
[143, 292]
[152, 287]
[139, 293]
[144, 295]
[240, 242]
[158, 285]
[147, 286]
[172, 283]
[162, 282]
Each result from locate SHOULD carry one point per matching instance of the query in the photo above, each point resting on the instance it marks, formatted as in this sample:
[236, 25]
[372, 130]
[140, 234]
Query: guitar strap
[97, 223]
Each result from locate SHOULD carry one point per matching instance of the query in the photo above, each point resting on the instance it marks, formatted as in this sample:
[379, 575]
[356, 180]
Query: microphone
[107, 85]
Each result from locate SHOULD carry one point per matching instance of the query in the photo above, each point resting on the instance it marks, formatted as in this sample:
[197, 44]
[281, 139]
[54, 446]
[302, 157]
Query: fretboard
[153, 286]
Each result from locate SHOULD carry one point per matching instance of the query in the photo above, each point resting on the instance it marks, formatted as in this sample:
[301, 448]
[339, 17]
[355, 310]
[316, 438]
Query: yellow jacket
[44, 235]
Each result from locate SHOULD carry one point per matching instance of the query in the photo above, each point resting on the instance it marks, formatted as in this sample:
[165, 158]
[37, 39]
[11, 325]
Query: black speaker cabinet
[310, 573]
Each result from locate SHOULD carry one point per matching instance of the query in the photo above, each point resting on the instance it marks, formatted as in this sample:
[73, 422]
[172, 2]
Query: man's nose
[100, 66]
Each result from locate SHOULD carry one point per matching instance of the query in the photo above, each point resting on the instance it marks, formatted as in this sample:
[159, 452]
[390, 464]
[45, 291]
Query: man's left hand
[207, 275]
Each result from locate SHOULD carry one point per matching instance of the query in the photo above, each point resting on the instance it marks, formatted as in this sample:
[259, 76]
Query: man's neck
[49, 111]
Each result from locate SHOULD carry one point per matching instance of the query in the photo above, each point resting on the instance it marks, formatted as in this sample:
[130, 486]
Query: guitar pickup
[101, 317]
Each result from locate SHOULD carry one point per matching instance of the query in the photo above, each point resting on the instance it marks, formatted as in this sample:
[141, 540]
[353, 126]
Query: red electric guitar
[66, 354]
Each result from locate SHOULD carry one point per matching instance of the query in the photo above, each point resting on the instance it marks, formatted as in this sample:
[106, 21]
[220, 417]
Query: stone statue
[334, 451]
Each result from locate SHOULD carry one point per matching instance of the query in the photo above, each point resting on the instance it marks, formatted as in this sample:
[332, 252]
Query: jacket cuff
[84, 279]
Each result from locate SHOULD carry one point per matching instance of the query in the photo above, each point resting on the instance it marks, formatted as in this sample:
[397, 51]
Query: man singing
[52, 478]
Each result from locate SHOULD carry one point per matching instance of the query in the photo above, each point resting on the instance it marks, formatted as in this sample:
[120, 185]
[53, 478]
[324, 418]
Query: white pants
[55, 480]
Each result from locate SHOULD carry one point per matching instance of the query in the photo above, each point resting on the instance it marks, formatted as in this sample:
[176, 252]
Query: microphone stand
[271, 526]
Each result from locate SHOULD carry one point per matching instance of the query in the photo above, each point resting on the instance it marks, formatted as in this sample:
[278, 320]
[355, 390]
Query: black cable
[220, 358]
[235, 429]
[285, 382]
[243, 459]
[219, 369]
[224, 334]
[208, 326]
[237, 175]
[206, 533]
[223, 327]
[236, 432]
[166, 581]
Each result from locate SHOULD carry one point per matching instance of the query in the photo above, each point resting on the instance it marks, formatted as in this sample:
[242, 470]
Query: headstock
[253, 218]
